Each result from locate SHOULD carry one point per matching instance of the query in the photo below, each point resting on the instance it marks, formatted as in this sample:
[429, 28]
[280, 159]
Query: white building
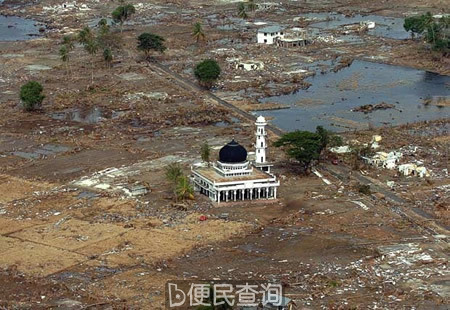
[268, 35]
[233, 177]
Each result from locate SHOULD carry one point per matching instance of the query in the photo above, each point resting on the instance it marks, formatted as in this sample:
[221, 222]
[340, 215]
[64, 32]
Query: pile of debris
[367, 108]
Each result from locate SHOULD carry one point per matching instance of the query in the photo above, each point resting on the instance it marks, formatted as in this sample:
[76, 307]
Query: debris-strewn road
[411, 214]
[190, 86]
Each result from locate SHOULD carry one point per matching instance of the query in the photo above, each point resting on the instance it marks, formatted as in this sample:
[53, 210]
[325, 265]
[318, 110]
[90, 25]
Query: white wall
[268, 39]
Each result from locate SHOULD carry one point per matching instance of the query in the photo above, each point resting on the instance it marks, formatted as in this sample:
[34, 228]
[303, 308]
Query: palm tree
[242, 10]
[198, 33]
[107, 56]
[92, 48]
[68, 42]
[206, 152]
[89, 41]
[184, 189]
[173, 172]
[122, 13]
[64, 53]
[252, 5]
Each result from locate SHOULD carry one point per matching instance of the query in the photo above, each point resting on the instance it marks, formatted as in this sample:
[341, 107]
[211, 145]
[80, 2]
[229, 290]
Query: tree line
[435, 31]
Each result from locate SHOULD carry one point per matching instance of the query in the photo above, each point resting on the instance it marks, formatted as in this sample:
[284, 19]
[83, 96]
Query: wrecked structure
[269, 35]
[250, 65]
[295, 37]
[233, 177]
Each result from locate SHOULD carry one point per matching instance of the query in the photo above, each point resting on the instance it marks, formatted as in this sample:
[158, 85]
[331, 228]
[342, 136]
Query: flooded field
[13, 28]
[388, 27]
[335, 95]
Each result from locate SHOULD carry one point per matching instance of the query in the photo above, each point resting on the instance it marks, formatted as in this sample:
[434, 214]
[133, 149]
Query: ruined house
[295, 37]
[269, 34]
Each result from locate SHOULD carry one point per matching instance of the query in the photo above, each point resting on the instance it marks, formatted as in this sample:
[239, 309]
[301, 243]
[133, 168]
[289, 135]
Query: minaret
[261, 145]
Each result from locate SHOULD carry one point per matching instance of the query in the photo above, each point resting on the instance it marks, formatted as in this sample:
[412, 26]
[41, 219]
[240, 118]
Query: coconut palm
[90, 43]
[198, 33]
[242, 10]
[173, 172]
[252, 5]
[64, 54]
[206, 152]
[184, 189]
[107, 56]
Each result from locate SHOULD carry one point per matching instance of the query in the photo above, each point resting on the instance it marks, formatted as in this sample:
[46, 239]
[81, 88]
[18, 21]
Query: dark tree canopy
[148, 42]
[435, 30]
[207, 72]
[303, 146]
[328, 138]
[31, 95]
[416, 24]
[123, 13]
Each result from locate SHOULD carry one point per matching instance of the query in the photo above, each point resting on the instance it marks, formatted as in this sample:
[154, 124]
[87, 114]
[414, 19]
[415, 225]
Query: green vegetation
[64, 51]
[31, 95]
[207, 72]
[302, 146]
[364, 189]
[148, 42]
[435, 31]
[328, 138]
[90, 43]
[305, 147]
[182, 188]
[251, 5]
[206, 152]
[198, 33]
[173, 172]
[122, 13]
[242, 10]
[107, 56]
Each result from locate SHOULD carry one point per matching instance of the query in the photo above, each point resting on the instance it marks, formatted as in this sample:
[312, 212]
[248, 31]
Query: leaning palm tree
[242, 10]
[198, 33]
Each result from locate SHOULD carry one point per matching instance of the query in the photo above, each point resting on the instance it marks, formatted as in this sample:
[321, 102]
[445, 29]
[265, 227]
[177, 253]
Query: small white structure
[341, 149]
[384, 160]
[233, 177]
[250, 65]
[413, 169]
[367, 23]
[263, 6]
[268, 35]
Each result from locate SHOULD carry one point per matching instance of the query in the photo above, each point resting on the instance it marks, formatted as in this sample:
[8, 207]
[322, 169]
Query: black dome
[233, 152]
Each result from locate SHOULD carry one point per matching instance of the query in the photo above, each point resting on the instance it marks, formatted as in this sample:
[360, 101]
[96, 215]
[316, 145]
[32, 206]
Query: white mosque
[234, 177]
